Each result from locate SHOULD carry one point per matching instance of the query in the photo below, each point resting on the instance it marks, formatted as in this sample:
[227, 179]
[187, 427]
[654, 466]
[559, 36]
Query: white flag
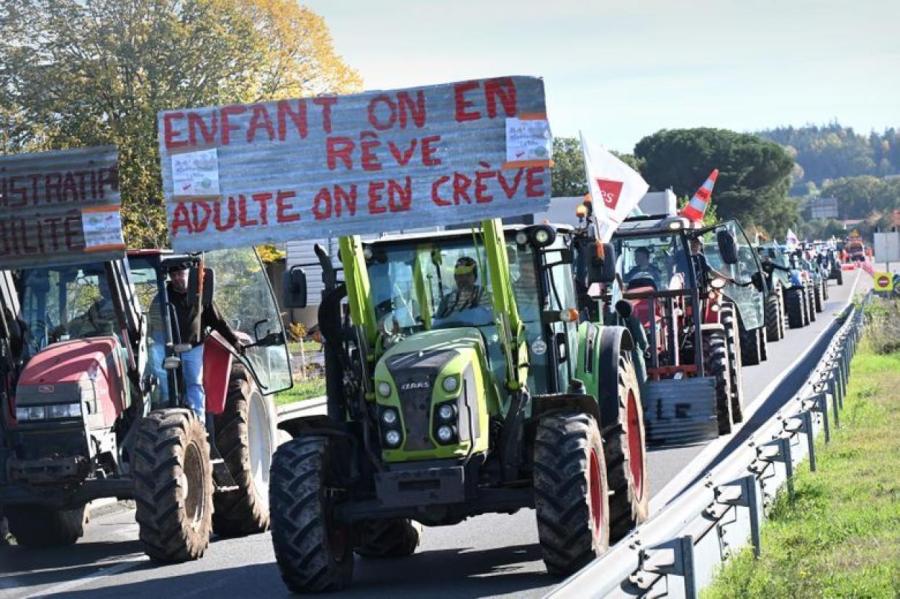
[790, 240]
[615, 188]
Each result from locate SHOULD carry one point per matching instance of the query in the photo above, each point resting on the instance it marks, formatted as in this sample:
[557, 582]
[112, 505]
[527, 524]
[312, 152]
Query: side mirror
[603, 270]
[294, 288]
[727, 247]
[209, 286]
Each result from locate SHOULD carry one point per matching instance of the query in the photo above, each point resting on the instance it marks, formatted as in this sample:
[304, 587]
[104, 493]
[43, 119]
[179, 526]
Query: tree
[81, 73]
[568, 167]
[754, 174]
[860, 197]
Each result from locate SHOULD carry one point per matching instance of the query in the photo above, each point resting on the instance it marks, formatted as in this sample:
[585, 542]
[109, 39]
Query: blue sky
[621, 70]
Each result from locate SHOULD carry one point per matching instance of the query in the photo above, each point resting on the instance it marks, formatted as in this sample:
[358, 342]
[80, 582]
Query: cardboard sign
[359, 164]
[59, 208]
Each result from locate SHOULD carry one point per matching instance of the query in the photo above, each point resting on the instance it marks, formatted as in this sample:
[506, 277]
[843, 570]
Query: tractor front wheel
[571, 495]
[626, 461]
[314, 552]
[173, 485]
[751, 342]
[793, 300]
[715, 360]
[39, 526]
[810, 303]
[774, 322]
[246, 436]
[732, 336]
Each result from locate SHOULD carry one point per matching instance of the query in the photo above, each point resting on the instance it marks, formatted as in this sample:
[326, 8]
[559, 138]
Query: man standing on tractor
[185, 314]
[468, 293]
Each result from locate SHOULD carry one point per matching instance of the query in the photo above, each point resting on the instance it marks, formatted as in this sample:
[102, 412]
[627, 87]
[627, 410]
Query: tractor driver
[185, 313]
[643, 269]
[468, 293]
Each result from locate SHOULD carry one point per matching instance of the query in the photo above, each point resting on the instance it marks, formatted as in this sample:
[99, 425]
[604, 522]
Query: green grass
[301, 390]
[308, 347]
[840, 537]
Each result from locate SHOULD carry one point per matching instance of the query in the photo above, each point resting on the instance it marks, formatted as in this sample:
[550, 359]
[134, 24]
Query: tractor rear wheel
[626, 462]
[314, 552]
[729, 321]
[840, 277]
[818, 296]
[763, 344]
[571, 495]
[810, 303]
[715, 362]
[246, 434]
[795, 305]
[39, 526]
[751, 341]
[825, 292]
[173, 485]
[774, 323]
[397, 537]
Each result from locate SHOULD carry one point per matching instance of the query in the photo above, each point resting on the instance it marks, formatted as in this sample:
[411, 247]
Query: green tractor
[460, 381]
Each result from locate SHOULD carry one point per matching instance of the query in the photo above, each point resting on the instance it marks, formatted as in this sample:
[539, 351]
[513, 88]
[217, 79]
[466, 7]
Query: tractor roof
[453, 234]
[658, 224]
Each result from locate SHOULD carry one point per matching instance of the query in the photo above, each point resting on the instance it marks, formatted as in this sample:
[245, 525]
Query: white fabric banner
[614, 186]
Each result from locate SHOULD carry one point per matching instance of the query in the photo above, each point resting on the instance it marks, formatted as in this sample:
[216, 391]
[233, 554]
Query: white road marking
[87, 578]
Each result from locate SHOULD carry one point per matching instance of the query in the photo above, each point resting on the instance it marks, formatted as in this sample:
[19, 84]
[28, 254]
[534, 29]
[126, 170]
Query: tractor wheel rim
[260, 445]
[635, 446]
[596, 494]
[193, 472]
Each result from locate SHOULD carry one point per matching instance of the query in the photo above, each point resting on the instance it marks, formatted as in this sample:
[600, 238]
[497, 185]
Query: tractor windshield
[66, 302]
[441, 283]
[658, 262]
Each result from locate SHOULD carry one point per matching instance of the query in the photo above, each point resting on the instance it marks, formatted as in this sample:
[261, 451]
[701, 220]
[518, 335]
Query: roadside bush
[883, 325]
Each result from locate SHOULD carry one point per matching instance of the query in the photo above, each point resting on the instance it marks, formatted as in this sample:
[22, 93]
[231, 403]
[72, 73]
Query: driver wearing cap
[468, 293]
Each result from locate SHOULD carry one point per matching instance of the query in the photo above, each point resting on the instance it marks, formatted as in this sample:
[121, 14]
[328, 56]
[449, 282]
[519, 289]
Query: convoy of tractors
[470, 371]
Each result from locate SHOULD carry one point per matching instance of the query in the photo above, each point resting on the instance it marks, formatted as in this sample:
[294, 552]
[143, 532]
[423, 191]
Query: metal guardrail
[315, 406]
[677, 552]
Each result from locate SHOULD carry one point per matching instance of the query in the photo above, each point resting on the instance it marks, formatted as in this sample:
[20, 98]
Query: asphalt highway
[491, 555]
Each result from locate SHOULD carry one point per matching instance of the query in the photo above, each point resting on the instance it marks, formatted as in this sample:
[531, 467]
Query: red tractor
[92, 399]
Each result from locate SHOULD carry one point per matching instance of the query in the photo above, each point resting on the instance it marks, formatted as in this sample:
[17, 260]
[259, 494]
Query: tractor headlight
[389, 416]
[445, 434]
[450, 383]
[717, 283]
[26, 413]
[392, 438]
[542, 237]
[447, 412]
[384, 389]
[521, 238]
[64, 410]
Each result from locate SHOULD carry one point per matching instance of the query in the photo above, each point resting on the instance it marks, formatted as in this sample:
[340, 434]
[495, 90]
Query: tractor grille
[415, 375]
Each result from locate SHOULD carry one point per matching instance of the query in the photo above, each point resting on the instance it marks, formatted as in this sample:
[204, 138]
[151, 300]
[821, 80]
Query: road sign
[887, 247]
[883, 281]
[327, 166]
[59, 207]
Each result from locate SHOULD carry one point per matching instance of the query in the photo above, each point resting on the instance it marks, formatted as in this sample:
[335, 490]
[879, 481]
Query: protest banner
[59, 207]
[358, 164]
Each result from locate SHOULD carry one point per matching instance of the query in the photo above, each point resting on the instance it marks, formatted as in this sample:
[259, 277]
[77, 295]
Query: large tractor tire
[774, 321]
[732, 336]
[314, 552]
[763, 344]
[626, 461]
[819, 297]
[751, 345]
[715, 363]
[795, 305]
[38, 526]
[173, 485]
[840, 276]
[810, 304]
[571, 495]
[825, 291]
[397, 537]
[246, 436]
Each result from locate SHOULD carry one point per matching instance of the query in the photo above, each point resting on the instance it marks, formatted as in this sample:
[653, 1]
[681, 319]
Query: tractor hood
[87, 371]
[410, 382]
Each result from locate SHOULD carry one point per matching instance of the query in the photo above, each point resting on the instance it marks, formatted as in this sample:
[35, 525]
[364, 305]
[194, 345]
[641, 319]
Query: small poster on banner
[102, 229]
[528, 140]
[196, 173]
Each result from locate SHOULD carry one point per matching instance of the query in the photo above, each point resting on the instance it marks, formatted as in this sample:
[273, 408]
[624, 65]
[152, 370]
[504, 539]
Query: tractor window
[244, 297]
[66, 302]
[652, 262]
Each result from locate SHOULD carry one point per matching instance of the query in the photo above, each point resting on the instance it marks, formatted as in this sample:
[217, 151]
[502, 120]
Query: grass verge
[840, 537]
[301, 390]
